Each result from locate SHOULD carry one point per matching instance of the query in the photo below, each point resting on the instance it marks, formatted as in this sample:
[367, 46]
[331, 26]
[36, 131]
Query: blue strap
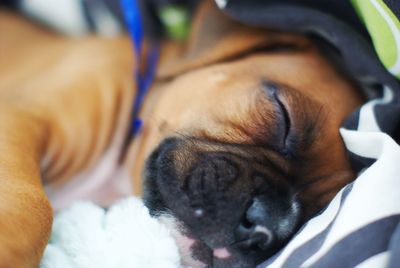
[133, 20]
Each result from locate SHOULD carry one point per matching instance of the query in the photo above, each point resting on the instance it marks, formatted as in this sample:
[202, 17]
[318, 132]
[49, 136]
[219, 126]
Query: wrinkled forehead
[216, 89]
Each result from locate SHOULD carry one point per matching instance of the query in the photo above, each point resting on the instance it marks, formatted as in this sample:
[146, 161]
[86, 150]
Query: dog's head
[242, 139]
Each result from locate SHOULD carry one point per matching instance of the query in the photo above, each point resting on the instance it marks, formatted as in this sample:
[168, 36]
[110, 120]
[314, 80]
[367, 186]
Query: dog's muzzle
[235, 215]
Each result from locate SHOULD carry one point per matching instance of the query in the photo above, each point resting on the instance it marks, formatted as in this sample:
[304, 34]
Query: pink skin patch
[221, 253]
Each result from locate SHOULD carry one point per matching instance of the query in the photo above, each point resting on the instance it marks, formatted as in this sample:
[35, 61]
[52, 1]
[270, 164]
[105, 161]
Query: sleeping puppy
[240, 142]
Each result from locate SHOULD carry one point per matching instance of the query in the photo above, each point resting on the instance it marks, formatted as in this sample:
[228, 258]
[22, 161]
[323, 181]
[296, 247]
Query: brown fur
[63, 102]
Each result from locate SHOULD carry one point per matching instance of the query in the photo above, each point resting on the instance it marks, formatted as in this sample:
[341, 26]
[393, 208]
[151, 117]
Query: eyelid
[286, 117]
[282, 112]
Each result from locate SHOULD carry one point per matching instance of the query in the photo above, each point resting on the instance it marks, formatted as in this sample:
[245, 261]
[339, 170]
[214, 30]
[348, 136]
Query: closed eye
[284, 122]
[286, 118]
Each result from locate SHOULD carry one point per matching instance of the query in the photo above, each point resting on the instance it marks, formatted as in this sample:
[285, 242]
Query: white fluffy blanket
[87, 236]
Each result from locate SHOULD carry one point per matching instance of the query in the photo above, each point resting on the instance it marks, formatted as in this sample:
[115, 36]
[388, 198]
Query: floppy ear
[214, 37]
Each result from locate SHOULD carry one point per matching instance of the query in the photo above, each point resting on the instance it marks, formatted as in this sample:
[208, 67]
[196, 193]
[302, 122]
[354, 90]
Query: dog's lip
[221, 253]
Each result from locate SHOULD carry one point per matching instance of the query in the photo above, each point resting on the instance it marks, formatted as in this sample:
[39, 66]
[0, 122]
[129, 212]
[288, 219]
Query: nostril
[246, 223]
[266, 237]
[252, 232]
[255, 237]
[245, 228]
[244, 231]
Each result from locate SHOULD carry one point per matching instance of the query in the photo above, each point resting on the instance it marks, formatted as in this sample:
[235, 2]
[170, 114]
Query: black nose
[253, 233]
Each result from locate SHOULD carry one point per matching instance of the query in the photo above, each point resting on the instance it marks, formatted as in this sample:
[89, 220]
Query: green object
[176, 21]
[384, 29]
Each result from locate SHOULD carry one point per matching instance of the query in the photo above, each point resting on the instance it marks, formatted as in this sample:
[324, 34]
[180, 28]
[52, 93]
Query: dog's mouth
[195, 252]
[225, 215]
[245, 251]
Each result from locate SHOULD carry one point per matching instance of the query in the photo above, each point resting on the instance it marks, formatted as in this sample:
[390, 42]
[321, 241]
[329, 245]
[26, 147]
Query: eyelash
[281, 110]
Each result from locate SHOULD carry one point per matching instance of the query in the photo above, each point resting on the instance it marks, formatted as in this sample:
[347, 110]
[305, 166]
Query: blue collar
[133, 20]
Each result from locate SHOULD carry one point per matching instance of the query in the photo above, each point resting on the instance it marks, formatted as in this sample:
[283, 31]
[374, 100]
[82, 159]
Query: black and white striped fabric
[361, 226]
